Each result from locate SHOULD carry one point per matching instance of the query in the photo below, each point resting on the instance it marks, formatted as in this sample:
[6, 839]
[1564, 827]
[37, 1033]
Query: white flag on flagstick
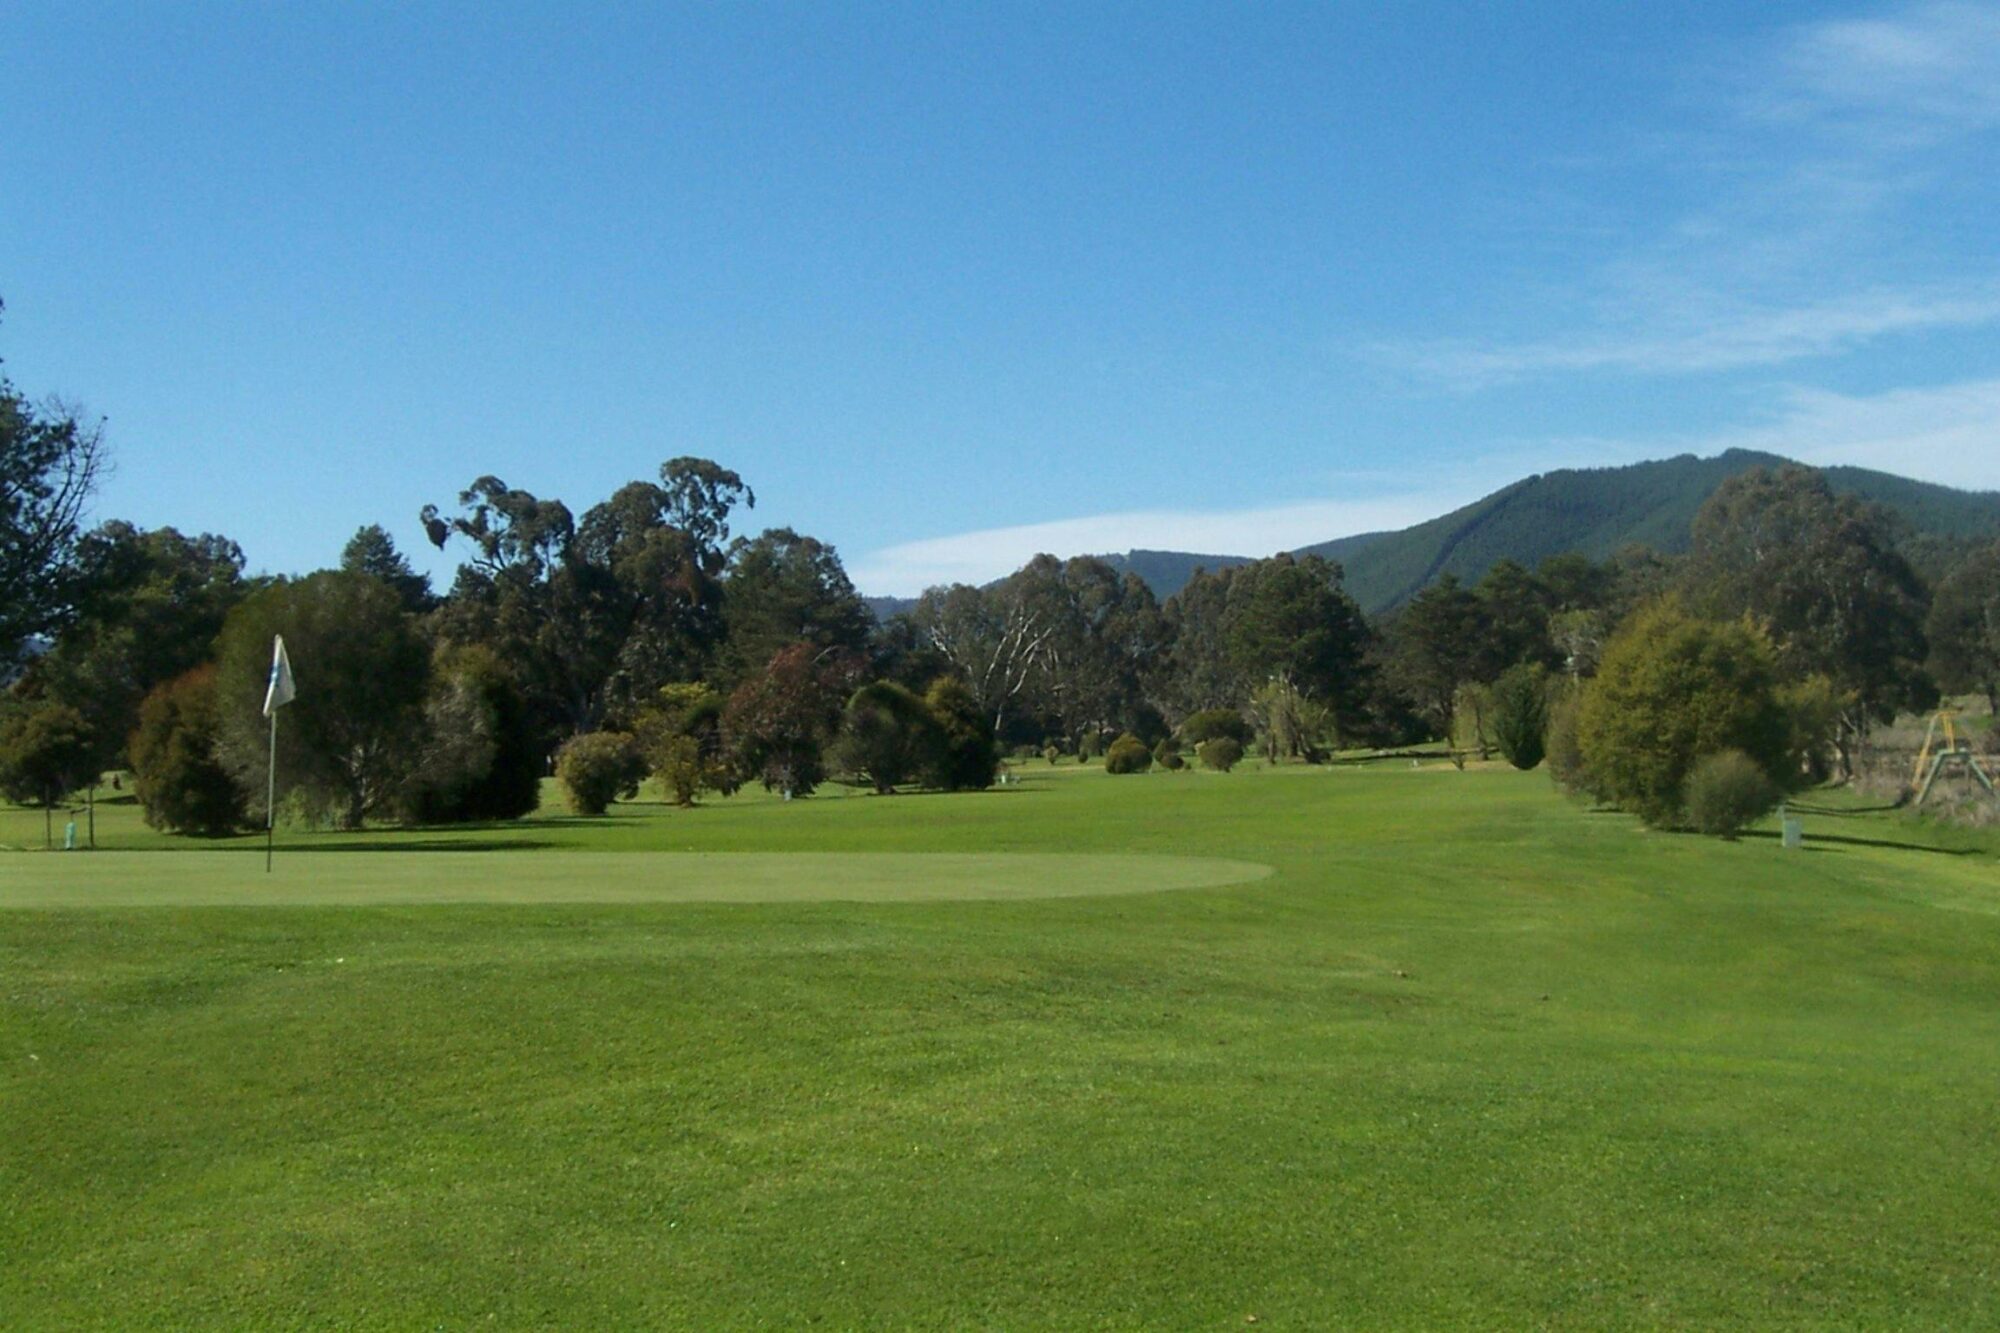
[280, 691]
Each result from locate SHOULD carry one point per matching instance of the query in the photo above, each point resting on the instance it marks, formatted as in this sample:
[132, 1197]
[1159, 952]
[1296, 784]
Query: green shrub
[599, 768]
[1814, 707]
[1726, 793]
[180, 784]
[1167, 754]
[1294, 724]
[1670, 689]
[1051, 753]
[46, 752]
[964, 757]
[677, 766]
[481, 757]
[1128, 754]
[1220, 754]
[680, 739]
[1564, 749]
[1519, 714]
[1211, 723]
[888, 735]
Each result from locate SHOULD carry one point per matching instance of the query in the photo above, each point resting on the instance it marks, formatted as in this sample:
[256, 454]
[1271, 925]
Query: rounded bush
[1167, 754]
[1220, 754]
[888, 735]
[965, 757]
[1726, 792]
[1672, 688]
[597, 768]
[1128, 754]
[175, 774]
[1212, 723]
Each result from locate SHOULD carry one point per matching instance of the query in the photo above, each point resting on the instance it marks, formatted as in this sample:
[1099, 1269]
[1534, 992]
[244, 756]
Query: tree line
[645, 638]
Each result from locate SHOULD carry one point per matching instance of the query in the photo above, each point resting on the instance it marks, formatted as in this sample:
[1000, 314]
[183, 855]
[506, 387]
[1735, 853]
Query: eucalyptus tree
[51, 458]
[1822, 572]
[1290, 619]
[996, 639]
[1105, 644]
[148, 606]
[1964, 626]
[355, 733]
[598, 613]
[1230, 632]
[1436, 645]
[1199, 675]
[780, 588]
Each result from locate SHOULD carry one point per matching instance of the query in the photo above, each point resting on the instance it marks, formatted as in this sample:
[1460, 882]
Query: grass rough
[1471, 1054]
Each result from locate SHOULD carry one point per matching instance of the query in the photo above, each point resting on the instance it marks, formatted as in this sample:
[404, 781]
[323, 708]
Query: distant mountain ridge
[1165, 572]
[1594, 511]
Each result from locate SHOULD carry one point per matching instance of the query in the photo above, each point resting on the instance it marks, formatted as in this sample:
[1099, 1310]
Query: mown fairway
[1469, 1054]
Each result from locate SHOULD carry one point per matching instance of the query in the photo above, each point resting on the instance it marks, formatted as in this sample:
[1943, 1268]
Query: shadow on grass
[429, 845]
[1847, 840]
[364, 843]
[932, 793]
[433, 845]
[1841, 812]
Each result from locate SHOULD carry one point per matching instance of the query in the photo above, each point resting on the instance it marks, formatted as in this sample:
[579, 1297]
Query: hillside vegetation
[1594, 511]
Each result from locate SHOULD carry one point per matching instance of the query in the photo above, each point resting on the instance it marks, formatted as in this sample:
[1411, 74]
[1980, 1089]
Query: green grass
[1469, 1055]
[228, 879]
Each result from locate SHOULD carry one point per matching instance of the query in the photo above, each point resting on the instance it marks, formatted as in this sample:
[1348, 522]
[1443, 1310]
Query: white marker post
[276, 695]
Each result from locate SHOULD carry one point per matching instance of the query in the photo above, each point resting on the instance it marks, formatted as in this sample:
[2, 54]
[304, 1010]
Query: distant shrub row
[885, 735]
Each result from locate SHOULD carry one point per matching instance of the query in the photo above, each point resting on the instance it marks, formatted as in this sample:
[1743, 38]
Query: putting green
[320, 878]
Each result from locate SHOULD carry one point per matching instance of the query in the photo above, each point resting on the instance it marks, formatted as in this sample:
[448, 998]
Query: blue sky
[949, 285]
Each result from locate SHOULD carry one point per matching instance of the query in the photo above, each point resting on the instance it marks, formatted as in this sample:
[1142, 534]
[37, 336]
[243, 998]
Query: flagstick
[271, 793]
[276, 696]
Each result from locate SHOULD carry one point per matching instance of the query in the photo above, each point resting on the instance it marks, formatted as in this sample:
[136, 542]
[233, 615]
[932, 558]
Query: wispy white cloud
[1807, 233]
[1929, 69]
[1943, 433]
[1691, 342]
[977, 557]
[1948, 433]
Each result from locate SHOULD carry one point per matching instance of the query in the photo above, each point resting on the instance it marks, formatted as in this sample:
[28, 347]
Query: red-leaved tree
[779, 722]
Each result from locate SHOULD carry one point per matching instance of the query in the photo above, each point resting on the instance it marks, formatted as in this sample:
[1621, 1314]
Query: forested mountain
[1167, 572]
[888, 608]
[1594, 511]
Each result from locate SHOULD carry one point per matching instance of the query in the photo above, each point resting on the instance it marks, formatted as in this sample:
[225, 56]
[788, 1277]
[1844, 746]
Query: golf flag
[280, 691]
